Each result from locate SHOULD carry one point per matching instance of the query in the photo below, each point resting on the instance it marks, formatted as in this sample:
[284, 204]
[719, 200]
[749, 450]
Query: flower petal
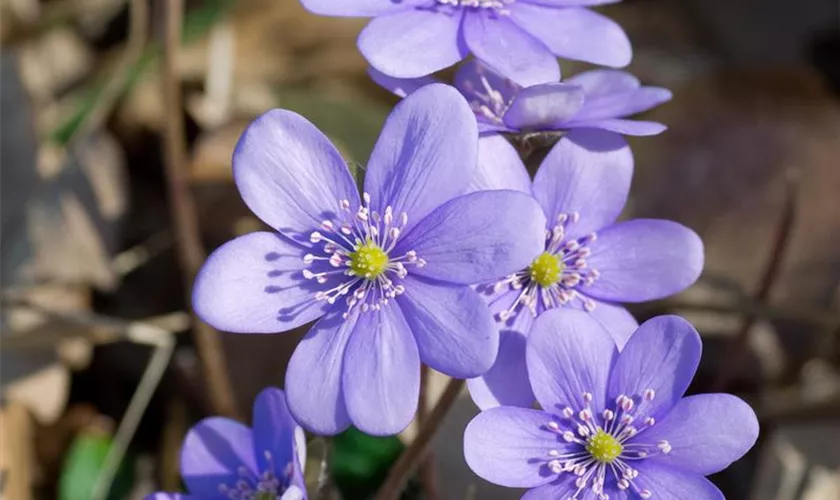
[570, 3]
[499, 167]
[637, 128]
[622, 104]
[706, 432]
[506, 383]
[509, 50]
[563, 487]
[589, 172]
[617, 320]
[668, 483]
[454, 330]
[644, 259]
[413, 43]
[358, 8]
[575, 33]
[274, 430]
[569, 354]
[293, 493]
[254, 284]
[599, 82]
[289, 174]
[169, 496]
[509, 446]
[400, 87]
[381, 374]
[539, 107]
[481, 85]
[212, 454]
[662, 355]
[426, 154]
[477, 237]
[313, 378]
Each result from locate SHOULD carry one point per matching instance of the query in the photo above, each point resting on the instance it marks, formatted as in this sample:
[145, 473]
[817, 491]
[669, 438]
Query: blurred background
[116, 180]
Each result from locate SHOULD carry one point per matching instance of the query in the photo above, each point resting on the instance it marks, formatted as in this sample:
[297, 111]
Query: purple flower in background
[518, 38]
[600, 98]
[588, 260]
[389, 272]
[612, 425]
[223, 459]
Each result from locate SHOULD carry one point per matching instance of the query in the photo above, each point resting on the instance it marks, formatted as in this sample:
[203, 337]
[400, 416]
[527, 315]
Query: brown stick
[190, 249]
[781, 241]
[415, 452]
[427, 468]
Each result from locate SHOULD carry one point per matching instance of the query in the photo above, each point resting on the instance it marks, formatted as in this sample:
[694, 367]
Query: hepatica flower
[387, 273]
[521, 38]
[223, 459]
[612, 426]
[601, 99]
[588, 261]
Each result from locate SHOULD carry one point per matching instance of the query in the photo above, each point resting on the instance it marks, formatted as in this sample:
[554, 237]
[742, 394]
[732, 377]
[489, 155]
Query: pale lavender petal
[563, 487]
[426, 154]
[668, 483]
[509, 446]
[506, 383]
[569, 354]
[617, 320]
[622, 104]
[706, 432]
[499, 167]
[293, 493]
[485, 128]
[400, 87]
[359, 8]
[289, 174]
[212, 454]
[575, 33]
[569, 3]
[599, 82]
[169, 496]
[481, 85]
[644, 259]
[274, 430]
[413, 43]
[662, 355]
[509, 50]
[381, 374]
[588, 172]
[638, 128]
[477, 237]
[313, 378]
[254, 284]
[540, 106]
[455, 333]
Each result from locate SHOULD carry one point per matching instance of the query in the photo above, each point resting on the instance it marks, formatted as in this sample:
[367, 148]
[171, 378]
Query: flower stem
[416, 451]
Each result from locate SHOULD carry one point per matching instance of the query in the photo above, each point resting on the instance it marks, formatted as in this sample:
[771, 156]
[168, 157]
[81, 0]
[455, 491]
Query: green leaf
[83, 464]
[361, 462]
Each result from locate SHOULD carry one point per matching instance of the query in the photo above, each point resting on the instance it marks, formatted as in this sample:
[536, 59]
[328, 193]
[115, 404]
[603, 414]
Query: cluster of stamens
[265, 486]
[498, 6]
[357, 245]
[553, 278]
[605, 447]
[487, 102]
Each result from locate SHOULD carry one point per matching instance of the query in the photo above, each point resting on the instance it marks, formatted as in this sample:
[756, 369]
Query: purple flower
[601, 99]
[222, 458]
[389, 272]
[521, 38]
[612, 425]
[588, 261]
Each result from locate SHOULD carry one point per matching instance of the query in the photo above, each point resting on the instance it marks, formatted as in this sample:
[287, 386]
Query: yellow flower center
[546, 269]
[603, 447]
[368, 261]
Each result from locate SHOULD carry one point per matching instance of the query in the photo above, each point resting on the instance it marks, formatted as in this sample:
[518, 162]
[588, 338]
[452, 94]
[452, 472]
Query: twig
[781, 241]
[427, 467]
[182, 206]
[400, 472]
[813, 316]
[164, 345]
